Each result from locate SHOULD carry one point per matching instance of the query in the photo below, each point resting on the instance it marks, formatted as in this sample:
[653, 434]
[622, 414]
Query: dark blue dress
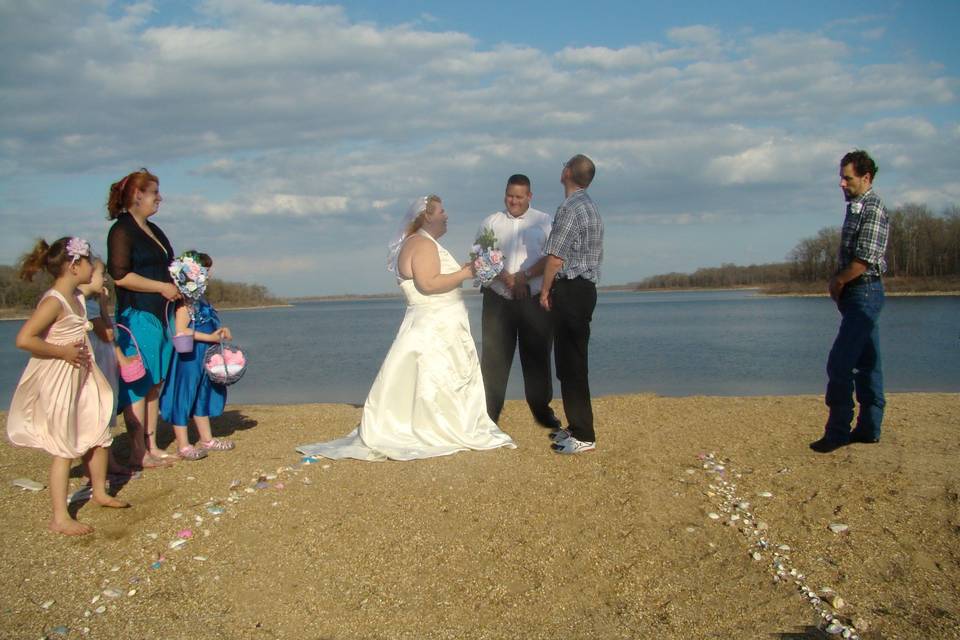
[188, 391]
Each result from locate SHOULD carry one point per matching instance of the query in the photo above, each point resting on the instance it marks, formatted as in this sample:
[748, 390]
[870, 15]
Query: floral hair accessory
[189, 276]
[77, 248]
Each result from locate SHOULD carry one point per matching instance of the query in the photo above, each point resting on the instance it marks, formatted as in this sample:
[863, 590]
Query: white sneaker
[559, 435]
[571, 445]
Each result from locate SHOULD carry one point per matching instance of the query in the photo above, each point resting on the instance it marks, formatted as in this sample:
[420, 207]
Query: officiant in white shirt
[512, 315]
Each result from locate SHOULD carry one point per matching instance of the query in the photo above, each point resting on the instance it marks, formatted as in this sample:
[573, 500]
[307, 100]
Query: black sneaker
[827, 444]
[862, 437]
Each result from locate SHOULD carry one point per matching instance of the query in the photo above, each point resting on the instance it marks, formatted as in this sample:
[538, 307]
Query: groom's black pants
[507, 324]
[573, 302]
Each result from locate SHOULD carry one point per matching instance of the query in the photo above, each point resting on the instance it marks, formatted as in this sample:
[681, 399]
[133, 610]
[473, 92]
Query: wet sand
[509, 543]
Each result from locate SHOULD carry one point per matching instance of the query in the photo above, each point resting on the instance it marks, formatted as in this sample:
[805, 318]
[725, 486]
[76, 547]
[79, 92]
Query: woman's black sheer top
[130, 249]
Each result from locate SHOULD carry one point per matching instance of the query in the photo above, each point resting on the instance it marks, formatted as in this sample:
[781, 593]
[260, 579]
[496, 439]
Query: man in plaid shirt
[570, 276]
[857, 288]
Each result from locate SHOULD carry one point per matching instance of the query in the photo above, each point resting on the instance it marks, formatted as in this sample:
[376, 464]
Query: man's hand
[520, 289]
[545, 299]
[836, 288]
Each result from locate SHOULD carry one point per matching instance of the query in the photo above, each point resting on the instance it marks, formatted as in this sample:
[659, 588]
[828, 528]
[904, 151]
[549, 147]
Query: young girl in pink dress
[63, 403]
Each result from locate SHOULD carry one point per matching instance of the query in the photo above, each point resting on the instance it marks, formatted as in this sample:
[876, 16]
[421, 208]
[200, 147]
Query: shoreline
[23, 314]
[255, 308]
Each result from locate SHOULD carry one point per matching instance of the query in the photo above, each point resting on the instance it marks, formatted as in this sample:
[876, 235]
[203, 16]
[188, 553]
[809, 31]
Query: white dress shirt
[521, 239]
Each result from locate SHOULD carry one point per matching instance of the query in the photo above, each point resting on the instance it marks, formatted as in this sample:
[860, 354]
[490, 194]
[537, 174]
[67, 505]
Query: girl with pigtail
[138, 254]
[63, 403]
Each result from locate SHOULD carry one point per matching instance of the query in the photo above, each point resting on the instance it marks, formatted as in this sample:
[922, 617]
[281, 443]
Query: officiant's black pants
[573, 302]
[508, 324]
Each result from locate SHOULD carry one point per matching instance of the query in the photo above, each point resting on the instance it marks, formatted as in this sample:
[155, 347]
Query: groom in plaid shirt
[857, 288]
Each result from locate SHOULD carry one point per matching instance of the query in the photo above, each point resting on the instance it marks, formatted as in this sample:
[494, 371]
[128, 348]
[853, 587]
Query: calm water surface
[677, 343]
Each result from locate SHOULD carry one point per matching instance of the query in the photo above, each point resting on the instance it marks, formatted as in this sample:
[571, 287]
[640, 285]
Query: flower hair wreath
[77, 248]
[189, 276]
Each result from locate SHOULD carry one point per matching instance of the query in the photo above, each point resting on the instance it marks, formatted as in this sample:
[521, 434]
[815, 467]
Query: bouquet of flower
[487, 258]
[189, 276]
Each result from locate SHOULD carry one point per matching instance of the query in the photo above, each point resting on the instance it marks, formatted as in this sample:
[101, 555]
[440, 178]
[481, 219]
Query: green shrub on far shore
[18, 298]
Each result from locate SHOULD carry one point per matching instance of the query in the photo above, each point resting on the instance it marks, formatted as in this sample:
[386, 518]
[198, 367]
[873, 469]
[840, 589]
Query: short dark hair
[520, 179]
[862, 163]
[582, 170]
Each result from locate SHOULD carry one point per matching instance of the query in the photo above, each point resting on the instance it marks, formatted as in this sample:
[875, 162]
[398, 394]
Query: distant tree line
[223, 294]
[19, 295]
[921, 245]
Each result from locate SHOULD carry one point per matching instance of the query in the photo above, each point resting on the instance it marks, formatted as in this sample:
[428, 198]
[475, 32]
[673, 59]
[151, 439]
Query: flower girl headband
[77, 248]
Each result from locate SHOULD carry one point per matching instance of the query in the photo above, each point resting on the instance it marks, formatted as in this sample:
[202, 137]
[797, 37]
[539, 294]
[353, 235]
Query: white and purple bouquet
[487, 258]
[189, 276]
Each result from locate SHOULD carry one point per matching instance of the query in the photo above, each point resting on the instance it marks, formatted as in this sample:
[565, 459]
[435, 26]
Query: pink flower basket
[134, 369]
[225, 363]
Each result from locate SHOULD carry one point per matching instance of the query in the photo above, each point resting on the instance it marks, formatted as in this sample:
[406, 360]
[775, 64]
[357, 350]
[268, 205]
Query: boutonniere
[856, 207]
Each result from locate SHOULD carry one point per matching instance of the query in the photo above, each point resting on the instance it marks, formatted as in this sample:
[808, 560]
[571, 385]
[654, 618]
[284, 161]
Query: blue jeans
[854, 364]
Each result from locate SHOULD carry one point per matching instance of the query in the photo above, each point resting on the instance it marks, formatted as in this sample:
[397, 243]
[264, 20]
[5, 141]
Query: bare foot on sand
[110, 502]
[160, 454]
[70, 527]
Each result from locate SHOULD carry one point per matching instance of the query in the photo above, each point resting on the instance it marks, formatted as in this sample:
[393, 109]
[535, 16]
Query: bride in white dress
[428, 398]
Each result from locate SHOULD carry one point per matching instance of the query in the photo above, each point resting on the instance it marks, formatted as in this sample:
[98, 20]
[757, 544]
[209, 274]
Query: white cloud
[277, 204]
[937, 197]
[784, 160]
[911, 127]
[696, 34]
[606, 58]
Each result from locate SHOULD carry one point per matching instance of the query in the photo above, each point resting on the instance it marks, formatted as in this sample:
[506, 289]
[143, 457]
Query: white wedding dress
[428, 398]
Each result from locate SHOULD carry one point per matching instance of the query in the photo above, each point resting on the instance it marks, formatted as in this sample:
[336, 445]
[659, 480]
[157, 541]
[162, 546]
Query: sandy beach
[520, 543]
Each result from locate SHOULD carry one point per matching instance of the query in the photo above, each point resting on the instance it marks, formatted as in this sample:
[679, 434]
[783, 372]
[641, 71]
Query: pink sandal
[191, 453]
[216, 445]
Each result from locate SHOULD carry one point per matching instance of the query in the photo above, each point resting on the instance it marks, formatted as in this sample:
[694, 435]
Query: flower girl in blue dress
[189, 392]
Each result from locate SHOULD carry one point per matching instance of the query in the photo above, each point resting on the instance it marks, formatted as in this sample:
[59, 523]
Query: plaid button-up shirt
[864, 233]
[577, 237]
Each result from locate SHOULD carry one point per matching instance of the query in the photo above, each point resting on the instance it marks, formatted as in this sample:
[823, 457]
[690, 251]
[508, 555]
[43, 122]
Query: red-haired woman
[138, 254]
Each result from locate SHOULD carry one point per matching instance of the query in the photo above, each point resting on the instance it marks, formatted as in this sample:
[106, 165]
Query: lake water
[675, 343]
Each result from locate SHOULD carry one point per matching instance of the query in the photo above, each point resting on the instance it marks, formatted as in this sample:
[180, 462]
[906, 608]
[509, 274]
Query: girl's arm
[223, 333]
[31, 334]
[105, 316]
[102, 328]
[182, 320]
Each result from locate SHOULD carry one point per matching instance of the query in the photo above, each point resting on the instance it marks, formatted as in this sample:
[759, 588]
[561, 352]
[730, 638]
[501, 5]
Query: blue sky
[289, 137]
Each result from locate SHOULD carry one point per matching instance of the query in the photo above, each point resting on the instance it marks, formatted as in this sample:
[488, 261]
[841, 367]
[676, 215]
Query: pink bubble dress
[59, 408]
